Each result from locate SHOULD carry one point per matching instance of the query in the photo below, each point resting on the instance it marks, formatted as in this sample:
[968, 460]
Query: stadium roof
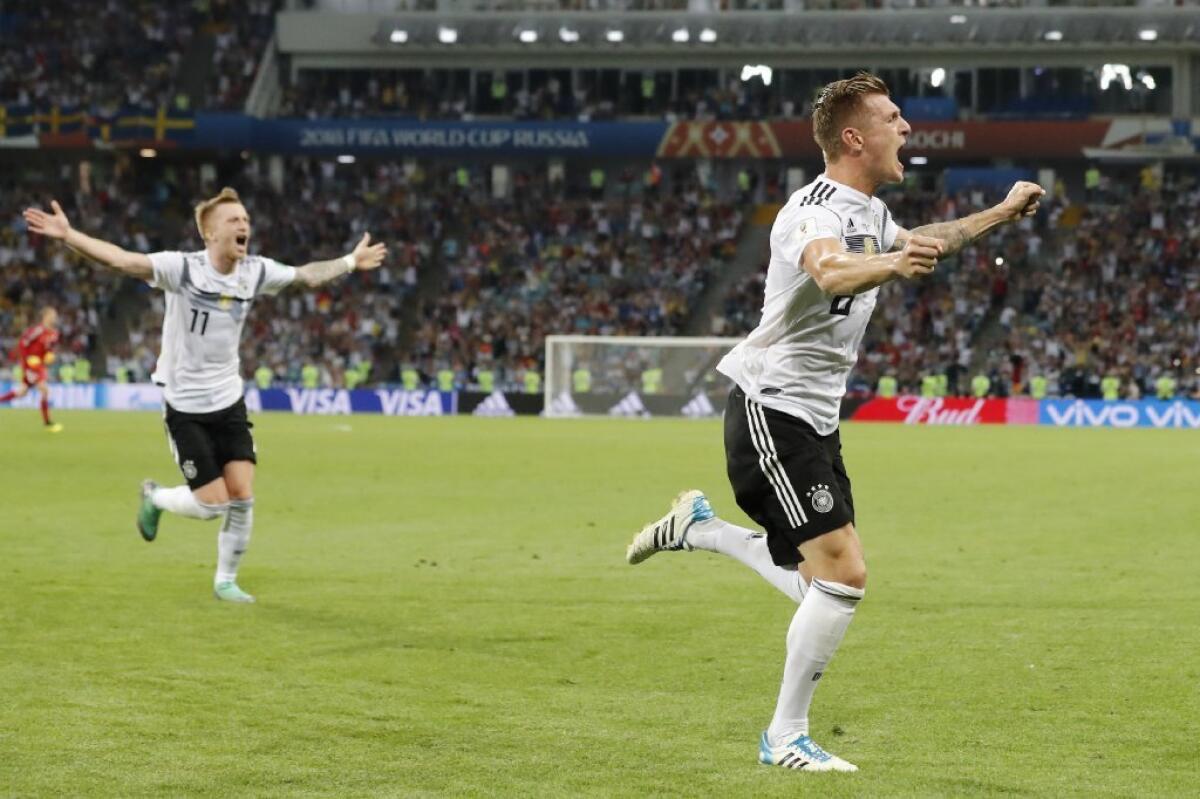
[947, 36]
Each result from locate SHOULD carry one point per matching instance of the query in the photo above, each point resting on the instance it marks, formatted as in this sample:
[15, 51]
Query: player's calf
[232, 543]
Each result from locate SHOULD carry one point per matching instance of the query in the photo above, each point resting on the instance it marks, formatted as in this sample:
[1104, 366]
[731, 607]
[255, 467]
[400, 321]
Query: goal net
[635, 376]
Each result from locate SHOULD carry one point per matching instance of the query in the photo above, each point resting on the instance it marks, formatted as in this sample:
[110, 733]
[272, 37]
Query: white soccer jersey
[199, 367]
[799, 357]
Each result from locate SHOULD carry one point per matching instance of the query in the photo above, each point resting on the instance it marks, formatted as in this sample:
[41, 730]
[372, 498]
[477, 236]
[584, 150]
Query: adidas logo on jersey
[494, 405]
[630, 405]
[563, 405]
[699, 407]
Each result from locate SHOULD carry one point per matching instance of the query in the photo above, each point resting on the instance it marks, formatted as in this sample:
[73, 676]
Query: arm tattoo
[952, 234]
[319, 272]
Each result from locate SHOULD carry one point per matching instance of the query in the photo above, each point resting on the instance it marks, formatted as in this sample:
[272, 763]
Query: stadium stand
[131, 53]
[417, 93]
[552, 258]
[1121, 296]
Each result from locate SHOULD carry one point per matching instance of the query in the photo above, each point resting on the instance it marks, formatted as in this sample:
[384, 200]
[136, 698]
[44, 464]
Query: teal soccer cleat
[228, 591]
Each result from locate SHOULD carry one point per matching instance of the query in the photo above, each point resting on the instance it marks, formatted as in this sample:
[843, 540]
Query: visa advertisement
[314, 401]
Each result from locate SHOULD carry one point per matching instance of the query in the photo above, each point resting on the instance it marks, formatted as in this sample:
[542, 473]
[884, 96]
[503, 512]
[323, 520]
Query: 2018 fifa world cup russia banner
[1132, 413]
[947, 411]
[409, 137]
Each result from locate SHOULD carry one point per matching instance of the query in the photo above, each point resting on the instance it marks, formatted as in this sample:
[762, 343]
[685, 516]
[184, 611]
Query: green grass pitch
[444, 610]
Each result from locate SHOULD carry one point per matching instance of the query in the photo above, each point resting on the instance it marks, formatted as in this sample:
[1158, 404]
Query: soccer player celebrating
[832, 245]
[35, 352]
[209, 294]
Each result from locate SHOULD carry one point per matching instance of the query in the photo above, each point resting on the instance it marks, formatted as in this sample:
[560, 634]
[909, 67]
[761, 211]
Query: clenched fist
[1023, 199]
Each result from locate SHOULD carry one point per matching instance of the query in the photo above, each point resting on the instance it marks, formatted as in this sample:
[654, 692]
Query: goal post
[635, 376]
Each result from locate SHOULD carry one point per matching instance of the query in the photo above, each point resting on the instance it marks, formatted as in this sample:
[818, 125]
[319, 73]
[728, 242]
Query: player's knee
[838, 556]
[851, 564]
[853, 572]
[212, 493]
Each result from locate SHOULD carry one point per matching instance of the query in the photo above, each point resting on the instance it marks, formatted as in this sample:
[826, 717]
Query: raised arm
[1023, 200]
[56, 226]
[837, 271]
[365, 256]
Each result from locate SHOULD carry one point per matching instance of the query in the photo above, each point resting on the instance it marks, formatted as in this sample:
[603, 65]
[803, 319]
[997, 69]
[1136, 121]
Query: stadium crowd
[554, 257]
[550, 260]
[1084, 292]
[32, 278]
[128, 53]
[1117, 312]
[423, 94]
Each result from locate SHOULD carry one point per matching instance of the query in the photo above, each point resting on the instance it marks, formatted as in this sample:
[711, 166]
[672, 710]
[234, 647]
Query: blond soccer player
[209, 294]
[832, 246]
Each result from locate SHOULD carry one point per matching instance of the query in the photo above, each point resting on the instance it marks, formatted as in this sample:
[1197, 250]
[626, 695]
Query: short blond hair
[226, 195]
[837, 103]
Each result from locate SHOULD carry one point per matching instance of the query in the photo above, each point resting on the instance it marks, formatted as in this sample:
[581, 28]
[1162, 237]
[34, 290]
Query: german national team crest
[189, 470]
[822, 500]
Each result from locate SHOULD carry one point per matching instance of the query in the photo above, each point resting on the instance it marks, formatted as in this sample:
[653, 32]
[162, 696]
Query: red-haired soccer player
[35, 351]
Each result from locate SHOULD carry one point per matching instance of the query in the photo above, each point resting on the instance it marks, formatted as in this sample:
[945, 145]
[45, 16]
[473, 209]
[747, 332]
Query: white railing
[266, 93]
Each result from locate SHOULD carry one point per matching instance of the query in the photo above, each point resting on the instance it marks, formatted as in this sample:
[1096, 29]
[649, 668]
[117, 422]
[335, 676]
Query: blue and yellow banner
[130, 124]
[16, 120]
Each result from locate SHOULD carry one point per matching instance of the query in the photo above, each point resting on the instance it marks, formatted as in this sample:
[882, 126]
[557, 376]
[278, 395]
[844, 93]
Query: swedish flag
[173, 124]
[133, 122]
[59, 119]
[16, 120]
[71, 119]
[152, 124]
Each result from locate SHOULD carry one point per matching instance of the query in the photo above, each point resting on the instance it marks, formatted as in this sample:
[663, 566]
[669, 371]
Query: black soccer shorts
[202, 443]
[789, 479]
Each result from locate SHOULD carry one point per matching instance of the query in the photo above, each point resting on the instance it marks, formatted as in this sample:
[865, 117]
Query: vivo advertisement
[1140, 413]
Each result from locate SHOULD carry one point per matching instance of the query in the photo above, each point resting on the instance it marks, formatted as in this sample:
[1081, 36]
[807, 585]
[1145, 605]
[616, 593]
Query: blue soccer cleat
[670, 532]
[801, 753]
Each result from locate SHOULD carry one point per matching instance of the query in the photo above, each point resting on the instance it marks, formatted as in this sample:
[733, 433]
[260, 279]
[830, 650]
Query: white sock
[717, 535]
[180, 500]
[233, 539]
[813, 637]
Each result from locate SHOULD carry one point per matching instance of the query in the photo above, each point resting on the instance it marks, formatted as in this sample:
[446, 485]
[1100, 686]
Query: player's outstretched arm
[1023, 200]
[56, 226]
[365, 256]
[837, 271]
